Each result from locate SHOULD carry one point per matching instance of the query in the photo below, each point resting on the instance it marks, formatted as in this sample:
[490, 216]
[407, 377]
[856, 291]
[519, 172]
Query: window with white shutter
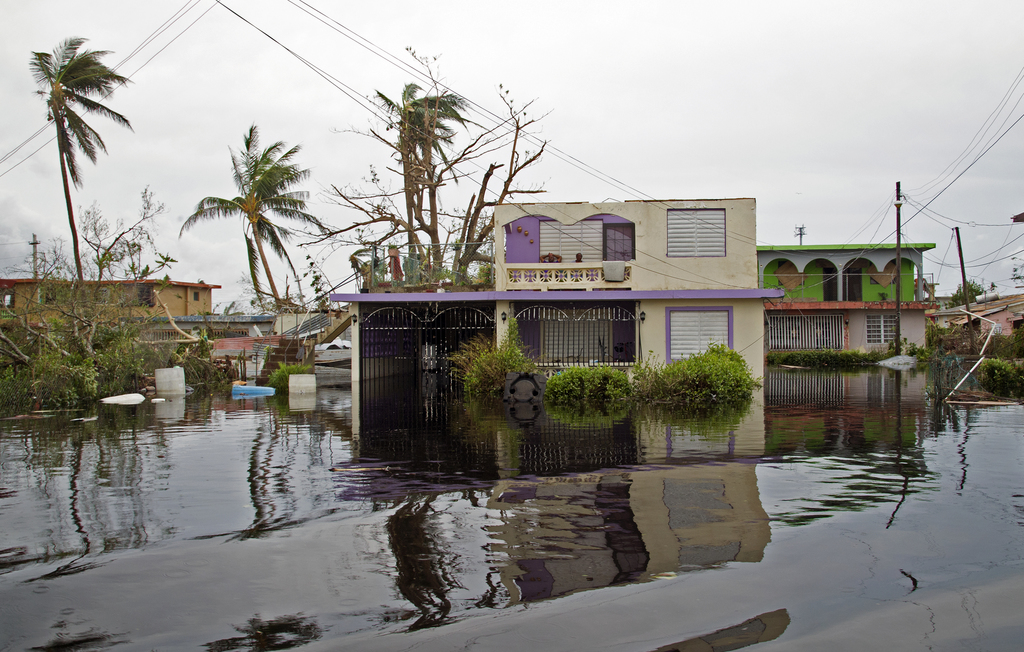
[567, 240]
[696, 233]
[691, 331]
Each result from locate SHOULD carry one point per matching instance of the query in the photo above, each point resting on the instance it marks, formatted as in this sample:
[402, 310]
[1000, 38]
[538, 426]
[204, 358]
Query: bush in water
[717, 376]
[484, 365]
[587, 387]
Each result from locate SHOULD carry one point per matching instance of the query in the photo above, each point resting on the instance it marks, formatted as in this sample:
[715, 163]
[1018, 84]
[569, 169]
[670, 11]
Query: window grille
[805, 332]
[881, 328]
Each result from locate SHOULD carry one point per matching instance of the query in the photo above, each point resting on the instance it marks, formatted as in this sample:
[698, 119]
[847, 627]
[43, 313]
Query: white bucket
[170, 381]
[302, 384]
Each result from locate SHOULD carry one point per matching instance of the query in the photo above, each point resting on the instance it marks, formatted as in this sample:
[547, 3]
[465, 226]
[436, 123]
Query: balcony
[562, 276]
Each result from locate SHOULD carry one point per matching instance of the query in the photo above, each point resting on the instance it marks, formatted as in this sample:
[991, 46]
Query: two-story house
[588, 284]
[843, 297]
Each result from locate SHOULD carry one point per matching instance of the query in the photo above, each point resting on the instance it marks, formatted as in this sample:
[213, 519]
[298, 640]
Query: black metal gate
[415, 341]
[578, 334]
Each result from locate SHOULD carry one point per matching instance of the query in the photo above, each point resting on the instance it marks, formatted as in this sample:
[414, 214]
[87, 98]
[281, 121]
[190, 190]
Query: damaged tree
[423, 147]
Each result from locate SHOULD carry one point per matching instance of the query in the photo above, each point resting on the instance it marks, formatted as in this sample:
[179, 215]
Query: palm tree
[68, 80]
[263, 179]
[421, 121]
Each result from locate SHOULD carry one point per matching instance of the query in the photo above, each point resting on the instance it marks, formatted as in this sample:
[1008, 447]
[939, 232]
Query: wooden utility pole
[899, 266]
[35, 252]
[964, 288]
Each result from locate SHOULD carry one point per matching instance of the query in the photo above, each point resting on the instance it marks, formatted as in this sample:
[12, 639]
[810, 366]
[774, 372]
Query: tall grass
[482, 365]
[717, 376]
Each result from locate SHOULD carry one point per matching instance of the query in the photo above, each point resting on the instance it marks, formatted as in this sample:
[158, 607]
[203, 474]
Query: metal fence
[399, 340]
[805, 332]
[579, 335]
[423, 267]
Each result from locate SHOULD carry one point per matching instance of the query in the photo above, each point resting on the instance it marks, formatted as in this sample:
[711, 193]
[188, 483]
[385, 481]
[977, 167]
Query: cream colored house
[588, 284]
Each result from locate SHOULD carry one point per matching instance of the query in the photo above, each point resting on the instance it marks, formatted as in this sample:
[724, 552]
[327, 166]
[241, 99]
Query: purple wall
[518, 248]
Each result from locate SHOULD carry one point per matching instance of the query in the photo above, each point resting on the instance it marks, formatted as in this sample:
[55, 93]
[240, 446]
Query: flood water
[837, 511]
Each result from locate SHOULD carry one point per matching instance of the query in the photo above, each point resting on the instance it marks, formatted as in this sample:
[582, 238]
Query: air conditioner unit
[615, 271]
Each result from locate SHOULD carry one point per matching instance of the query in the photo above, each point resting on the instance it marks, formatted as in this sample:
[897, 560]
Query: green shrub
[717, 376]
[1002, 378]
[61, 381]
[826, 359]
[279, 377]
[118, 365]
[582, 387]
[483, 366]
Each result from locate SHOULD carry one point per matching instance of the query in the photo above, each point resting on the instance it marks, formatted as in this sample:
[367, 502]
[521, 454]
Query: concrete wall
[652, 269]
[747, 327]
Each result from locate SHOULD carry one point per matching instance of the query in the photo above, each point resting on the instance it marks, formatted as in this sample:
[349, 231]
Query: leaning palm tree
[263, 179]
[69, 79]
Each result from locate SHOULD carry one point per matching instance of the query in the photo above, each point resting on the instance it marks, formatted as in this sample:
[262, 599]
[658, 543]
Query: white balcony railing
[561, 276]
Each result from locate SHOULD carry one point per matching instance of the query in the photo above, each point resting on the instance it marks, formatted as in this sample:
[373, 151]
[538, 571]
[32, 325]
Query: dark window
[829, 283]
[145, 294]
[195, 296]
[619, 242]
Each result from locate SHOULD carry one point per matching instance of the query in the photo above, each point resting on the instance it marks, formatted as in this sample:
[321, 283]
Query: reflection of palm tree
[69, 78]
[280, 633]
[421, 578]
[264, 179]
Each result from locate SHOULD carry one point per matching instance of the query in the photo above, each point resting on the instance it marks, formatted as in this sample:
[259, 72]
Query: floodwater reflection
[274, 523]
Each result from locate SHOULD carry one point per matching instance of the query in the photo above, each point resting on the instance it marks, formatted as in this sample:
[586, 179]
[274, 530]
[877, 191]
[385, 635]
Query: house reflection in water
[566, 504]
[688, 500]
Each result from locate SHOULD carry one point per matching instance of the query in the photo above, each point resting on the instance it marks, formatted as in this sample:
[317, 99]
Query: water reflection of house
[843, 297]
[692, 502]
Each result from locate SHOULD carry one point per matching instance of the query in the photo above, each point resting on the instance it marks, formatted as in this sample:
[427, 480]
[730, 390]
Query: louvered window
[691, 331]
[696, 233]
[567, 240]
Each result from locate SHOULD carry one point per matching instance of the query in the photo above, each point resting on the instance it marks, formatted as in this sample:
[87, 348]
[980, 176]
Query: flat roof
[556, 295]
[922, 246]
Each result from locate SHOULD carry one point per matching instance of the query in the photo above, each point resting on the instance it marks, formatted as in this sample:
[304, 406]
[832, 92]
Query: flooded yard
[836, 511]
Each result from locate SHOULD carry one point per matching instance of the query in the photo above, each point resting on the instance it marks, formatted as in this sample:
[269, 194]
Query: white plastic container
[170, 382]
[302, 384]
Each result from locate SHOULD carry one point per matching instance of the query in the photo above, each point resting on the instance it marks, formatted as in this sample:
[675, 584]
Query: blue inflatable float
[242, 391]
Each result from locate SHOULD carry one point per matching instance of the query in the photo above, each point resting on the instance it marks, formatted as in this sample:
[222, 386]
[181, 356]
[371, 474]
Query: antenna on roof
[800, 231]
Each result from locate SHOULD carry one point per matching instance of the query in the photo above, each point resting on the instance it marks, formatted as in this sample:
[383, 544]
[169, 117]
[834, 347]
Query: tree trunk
[266, 267]
[71, 212]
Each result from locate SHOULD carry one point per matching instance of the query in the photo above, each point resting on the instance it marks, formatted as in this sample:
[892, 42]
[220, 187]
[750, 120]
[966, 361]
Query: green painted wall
[812, 287]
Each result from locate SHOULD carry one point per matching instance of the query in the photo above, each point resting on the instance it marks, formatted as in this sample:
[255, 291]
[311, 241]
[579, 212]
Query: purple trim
[668, 324]
[607, 218]
[539, 295]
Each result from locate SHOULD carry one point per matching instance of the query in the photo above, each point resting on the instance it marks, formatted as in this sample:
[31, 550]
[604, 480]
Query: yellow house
[181, 298]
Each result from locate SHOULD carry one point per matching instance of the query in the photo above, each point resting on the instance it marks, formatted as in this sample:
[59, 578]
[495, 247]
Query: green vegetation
[587, 387]
[717, 376]
[279, 377]
[827, 359]
[483, 365]
[1002, 378]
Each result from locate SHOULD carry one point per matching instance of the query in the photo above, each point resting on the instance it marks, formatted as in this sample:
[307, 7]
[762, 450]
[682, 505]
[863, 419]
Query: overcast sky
[815, 109]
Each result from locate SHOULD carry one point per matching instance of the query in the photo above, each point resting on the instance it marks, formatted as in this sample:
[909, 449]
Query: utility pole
[35, 252]
[964, 288]
[899, 265]
[800, 231]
